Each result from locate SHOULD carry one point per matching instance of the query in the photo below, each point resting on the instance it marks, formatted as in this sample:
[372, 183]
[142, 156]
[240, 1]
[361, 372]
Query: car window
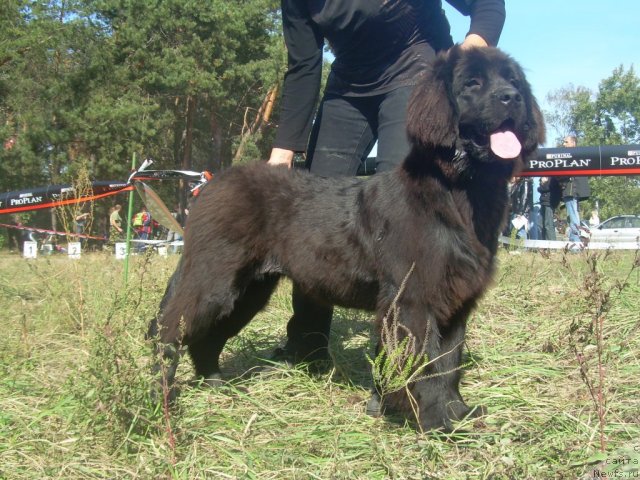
[615, 223]
[635, 222]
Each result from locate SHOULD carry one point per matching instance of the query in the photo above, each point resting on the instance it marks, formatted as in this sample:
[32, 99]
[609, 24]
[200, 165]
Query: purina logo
[560, 162]
[551, 156]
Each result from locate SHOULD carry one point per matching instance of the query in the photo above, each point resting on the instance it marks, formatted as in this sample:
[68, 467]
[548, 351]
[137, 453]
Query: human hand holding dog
[281, 156]
[473, 40]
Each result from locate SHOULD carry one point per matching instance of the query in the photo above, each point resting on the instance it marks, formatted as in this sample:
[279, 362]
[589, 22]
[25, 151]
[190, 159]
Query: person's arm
[487, 20]
[301, 82]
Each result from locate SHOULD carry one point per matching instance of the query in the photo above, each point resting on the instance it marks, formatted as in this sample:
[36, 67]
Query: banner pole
[129, 215]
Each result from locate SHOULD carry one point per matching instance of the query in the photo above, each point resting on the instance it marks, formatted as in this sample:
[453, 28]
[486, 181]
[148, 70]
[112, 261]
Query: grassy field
[554, 353]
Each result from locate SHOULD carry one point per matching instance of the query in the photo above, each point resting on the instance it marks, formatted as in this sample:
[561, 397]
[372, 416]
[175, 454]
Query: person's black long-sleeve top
[378, 45]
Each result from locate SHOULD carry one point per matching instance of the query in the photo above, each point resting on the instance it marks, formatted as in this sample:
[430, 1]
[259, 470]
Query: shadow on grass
[251, 351]
[246, 358]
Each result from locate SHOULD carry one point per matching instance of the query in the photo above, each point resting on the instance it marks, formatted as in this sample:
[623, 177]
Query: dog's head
[476, 102]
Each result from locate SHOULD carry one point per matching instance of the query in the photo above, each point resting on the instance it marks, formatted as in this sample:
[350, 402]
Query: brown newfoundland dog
[353, 242]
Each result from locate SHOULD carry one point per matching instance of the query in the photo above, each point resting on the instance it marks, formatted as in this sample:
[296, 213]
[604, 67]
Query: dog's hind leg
[206, 349]
[307, 332]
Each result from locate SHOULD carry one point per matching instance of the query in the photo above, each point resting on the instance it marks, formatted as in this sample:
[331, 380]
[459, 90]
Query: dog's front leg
[410, 371]
[438, 396]
[165, 364]
[166, 350]
[417, 367]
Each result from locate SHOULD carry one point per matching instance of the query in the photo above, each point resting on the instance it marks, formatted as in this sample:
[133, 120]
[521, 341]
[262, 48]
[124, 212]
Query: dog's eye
[473, 83]
[515, 82]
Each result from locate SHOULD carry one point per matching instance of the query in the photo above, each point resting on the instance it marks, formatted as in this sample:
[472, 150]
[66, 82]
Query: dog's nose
[508, 96]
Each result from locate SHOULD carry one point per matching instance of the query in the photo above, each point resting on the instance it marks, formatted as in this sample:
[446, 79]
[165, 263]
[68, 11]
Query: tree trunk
[214, 163]
[187, 142]
[188, 134]
[261, 119]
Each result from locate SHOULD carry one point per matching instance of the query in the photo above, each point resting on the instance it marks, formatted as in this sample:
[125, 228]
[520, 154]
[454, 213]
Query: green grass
[74, 377]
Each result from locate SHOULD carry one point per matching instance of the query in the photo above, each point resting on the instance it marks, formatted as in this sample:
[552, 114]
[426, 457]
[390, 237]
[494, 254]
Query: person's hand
[280, 156]
[472, 41]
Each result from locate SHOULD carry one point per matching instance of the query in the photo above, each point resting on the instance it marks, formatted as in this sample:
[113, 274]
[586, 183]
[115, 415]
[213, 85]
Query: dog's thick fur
[351, 242]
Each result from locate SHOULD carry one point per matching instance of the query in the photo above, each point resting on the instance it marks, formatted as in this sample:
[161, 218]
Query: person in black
[550, 193]
[381, 47]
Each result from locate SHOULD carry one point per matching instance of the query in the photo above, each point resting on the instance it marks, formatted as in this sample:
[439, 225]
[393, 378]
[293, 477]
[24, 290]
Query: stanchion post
[129, 215]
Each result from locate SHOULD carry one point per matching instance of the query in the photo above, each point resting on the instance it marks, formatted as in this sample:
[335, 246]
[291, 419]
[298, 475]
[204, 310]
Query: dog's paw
[442, 415]
[458, 410]
[439, 423]
[281, 355]
[213, 381]
[374, 405]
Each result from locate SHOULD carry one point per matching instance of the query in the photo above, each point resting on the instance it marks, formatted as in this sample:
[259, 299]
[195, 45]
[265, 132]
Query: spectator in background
[550, 194]
[574, 189]
[15, 234]
[81, 222]
[143, 225]
[173, 236]
[594, 219]
[521, 204]
[115, 225]
[535, 222]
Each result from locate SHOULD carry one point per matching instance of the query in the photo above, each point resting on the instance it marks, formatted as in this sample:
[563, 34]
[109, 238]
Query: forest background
[86, 84]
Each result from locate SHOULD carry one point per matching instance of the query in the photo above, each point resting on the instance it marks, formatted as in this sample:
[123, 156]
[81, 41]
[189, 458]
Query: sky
[566, 42]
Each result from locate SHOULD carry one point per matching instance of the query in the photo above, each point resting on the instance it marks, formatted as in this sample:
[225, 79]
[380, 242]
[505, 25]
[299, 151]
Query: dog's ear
[432, 115]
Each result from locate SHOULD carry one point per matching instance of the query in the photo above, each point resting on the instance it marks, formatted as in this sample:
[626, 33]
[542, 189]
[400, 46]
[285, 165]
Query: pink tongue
[505, 145]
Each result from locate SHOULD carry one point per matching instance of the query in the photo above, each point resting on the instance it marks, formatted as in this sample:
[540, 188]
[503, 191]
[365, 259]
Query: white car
[622, 228]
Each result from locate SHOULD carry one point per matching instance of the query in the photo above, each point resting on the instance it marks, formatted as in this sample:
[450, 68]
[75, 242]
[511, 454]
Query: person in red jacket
[381, 48]
[143, 225]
